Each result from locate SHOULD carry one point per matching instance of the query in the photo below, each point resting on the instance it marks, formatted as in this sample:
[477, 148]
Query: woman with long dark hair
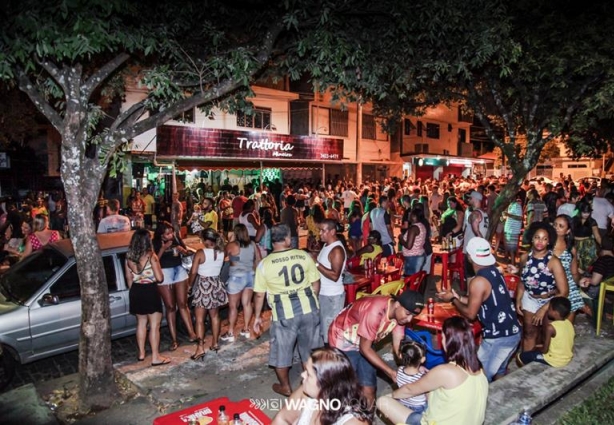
[453, 218]
[458, 389]
[142, 272]
[329, 395]
[566, 253]
[586, 236]
[174, 289]
[208, 291]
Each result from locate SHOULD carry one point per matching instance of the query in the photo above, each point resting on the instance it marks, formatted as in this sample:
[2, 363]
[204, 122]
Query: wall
[449, 125]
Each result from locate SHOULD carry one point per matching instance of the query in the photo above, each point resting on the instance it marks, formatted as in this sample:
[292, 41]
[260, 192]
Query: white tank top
[251, 230]
[330, 287]
[213, 263]
[469, 234]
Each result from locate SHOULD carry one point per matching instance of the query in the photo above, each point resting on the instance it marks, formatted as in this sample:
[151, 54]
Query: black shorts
[227, 224]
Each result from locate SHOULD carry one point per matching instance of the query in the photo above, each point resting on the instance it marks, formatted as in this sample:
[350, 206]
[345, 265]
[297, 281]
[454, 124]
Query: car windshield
[25, 278]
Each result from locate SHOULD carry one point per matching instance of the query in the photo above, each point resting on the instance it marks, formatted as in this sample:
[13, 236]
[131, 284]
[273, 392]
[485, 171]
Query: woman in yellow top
[458, 389]
[372, 249]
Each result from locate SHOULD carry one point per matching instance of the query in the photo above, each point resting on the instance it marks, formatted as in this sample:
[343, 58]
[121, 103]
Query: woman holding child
[458, 389]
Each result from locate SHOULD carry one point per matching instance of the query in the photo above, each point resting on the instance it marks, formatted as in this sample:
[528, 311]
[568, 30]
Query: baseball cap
[411, 301]
[476, 195]
[479, 251]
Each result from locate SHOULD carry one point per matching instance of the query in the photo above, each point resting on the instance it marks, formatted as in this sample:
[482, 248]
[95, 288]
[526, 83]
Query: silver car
[40, 303]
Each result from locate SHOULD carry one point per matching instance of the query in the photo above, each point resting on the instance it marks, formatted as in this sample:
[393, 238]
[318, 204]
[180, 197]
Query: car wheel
[7, 367]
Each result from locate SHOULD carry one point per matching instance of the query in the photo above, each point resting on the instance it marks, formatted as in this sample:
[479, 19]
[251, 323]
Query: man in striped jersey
[291, 281]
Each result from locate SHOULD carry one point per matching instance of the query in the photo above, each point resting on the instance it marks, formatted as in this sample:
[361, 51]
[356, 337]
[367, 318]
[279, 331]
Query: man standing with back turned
[291, 281]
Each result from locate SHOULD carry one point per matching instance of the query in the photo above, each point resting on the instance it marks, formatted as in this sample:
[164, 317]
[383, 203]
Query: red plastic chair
[352, 263]
[396, 260]
[458, 266]
[416, 282]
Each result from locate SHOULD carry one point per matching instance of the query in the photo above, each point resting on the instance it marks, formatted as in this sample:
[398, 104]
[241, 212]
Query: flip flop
[279, 390]
[173, 346]
[163, 362]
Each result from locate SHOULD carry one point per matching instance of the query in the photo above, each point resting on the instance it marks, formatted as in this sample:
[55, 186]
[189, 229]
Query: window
[186, 116]
[422, 147]
[462, 135]
[259, 118]
[67, 286]
[368, 126]
[339, 123]
[432, 131]
[406, 127]
[419, 130]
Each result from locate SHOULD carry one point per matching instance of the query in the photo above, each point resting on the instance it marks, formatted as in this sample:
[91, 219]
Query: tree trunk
[520, 169]
[97, 383]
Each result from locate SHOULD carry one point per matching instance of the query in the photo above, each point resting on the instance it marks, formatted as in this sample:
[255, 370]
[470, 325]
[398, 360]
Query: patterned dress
[208, 290]
[574, 293]
[536, 276]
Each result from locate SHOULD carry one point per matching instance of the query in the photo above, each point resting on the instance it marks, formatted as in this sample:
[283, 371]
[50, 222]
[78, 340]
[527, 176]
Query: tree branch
[124, 116]
[102, 74]
[39, 101]
[56, 74]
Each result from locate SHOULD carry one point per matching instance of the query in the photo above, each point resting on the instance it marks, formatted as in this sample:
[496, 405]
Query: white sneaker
[245, 333]
[227, 337]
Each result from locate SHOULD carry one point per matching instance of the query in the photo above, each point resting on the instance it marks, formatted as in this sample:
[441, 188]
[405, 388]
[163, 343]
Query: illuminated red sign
[194, 142]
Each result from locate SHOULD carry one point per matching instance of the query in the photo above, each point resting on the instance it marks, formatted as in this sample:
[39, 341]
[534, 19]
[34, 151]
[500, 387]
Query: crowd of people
[557, 237]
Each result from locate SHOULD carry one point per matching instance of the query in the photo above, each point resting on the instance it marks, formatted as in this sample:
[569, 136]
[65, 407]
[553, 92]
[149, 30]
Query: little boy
[559, 335]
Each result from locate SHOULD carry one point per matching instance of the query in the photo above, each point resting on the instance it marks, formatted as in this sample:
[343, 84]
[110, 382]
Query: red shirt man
[367, 321]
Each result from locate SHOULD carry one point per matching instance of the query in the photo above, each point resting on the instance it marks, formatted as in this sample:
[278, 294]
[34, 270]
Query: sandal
[173, 346]
[215, 348]
[163, 362]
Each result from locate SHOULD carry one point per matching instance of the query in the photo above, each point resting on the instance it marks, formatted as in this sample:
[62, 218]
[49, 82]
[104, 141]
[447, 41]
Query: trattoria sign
[193, 142]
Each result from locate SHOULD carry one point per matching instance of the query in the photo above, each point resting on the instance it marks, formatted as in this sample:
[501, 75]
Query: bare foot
[281, 390]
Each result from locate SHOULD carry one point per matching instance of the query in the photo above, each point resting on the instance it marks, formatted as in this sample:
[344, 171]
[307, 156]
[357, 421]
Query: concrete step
[537, 386]
[23, 406]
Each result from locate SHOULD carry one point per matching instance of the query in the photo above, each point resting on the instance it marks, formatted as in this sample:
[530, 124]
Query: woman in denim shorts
[244, 255]
[174, 289]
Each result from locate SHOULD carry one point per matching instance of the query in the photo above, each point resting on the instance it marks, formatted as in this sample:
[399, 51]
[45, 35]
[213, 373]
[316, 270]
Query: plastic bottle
[222, 417]
[525, 418]
[236, 419]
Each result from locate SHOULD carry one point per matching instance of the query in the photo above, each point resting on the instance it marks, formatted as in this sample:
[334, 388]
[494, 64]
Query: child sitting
[559, 335]
[413, 356]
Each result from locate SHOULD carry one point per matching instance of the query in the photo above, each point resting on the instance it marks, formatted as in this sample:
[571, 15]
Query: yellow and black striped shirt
[287, 278]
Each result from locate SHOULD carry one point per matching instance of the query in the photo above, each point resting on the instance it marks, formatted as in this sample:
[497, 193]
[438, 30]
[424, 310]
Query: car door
[56, 328]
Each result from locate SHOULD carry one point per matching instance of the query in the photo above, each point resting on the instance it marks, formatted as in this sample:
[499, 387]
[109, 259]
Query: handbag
[225, 271]
[187, 259]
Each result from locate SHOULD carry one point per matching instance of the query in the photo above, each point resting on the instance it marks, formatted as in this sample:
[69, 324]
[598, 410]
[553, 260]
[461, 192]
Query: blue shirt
[497, 313]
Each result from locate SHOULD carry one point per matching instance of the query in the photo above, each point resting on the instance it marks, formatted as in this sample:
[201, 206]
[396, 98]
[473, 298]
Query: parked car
[40, 303]
[535, 180]
[591, 180]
